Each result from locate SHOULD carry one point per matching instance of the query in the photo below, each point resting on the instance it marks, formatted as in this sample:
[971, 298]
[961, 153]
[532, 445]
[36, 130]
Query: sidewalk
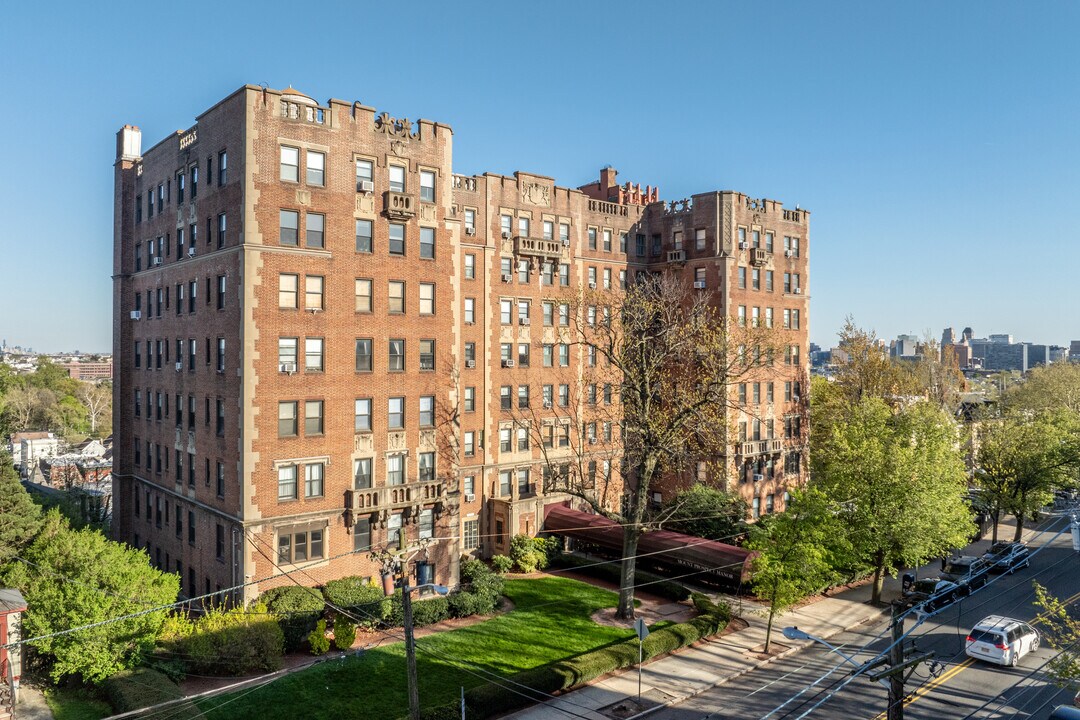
[694, 670]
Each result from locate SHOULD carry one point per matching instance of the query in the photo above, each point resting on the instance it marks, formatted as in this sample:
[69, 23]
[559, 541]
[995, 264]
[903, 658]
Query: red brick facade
[336, 294]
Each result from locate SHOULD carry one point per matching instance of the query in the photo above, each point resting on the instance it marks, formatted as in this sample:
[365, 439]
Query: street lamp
[410, 643]
[794, 633]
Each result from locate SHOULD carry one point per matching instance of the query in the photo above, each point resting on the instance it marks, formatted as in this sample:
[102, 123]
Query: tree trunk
[631, 534]
[879, 582]
[1019, 528]
[768, 626]
[996, 515]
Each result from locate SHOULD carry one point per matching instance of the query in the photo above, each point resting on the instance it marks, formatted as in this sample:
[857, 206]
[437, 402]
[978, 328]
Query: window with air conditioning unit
[367, 186]
[469, 497]
[547, 404]
[287, 368]
[566, 242]
[191, 252]
[592, 286]
[798, 291]
[508, 363]
[179, 366]
[523, 321]
[157, 261]
[699, 284]
[787, 253]
[758, 477]
[470, 363]
[470, 231]
[506, 235]
[744, 245]
[136, 315]
[507, 278]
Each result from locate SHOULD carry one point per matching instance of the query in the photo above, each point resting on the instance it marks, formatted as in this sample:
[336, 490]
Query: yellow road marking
[960, 667]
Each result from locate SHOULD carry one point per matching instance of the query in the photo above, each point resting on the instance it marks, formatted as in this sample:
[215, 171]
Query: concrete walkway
[694, 670]
[32, 705]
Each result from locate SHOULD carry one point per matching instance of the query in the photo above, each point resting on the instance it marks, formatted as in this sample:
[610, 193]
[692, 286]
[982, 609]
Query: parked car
[968, 570]
[1001, 640]
[1007, 556]
[934, 593]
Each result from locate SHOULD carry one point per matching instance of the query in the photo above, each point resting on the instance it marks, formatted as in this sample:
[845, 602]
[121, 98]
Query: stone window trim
[324, 459]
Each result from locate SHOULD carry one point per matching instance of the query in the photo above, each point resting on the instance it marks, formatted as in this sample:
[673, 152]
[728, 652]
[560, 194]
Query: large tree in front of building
[20, 516]
[897, 474]
[670, 359]
[73, 578]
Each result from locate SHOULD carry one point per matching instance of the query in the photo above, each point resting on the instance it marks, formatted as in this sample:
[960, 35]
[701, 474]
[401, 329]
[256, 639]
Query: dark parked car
[934, 593]
[967, 570]
[1007, 556]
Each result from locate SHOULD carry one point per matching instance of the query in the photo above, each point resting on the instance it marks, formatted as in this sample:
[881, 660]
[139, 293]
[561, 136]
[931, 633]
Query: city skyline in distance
[938, 168]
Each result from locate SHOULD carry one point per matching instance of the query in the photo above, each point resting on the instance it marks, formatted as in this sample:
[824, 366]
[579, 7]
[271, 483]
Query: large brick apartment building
[318, 329]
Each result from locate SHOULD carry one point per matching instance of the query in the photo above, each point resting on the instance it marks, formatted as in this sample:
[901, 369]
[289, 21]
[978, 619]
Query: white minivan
[1001, 640]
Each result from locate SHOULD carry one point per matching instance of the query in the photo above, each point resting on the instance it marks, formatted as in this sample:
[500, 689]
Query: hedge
[298, 609]
[133, 689]
[492, 699]
[612, 571]
[226, 642]
[360, 598]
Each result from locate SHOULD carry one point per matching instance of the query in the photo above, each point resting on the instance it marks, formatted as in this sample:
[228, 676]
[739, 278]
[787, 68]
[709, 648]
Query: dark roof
[11, 600]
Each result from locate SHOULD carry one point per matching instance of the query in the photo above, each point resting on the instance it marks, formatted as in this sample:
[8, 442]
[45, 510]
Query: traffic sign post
[642, 633]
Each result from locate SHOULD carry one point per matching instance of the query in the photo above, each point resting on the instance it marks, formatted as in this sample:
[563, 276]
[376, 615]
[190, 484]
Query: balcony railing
[539, 248]
[758, 256]
[676, 256]
[394, 496]
[399, 206]
[760, 447]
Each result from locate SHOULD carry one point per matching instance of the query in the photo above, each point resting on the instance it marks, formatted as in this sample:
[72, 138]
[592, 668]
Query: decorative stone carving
[427, 438]
[427, 212]
[395, 441]
[365, 203]
[363, 443]
[397, 147]
[536, 194]
[395, 128]
[303, 197]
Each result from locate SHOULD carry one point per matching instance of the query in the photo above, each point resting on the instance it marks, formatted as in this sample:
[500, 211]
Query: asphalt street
[962, 688]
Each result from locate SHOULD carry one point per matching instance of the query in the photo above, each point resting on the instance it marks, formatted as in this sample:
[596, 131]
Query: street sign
[640, 629]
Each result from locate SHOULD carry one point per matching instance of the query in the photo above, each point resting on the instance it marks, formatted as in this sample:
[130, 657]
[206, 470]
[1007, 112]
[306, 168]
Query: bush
[502, 564]
[297, 609]
[317, 639]
[134, 689]
[359, 597]
[612, 572]
[482, 581]
[344, 633]
[228, 642]
[492, 700]
[529, 553]
[430, 611]
[464, 604]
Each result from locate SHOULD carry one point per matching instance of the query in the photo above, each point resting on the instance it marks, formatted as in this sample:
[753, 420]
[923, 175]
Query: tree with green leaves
[72, 578]
[20, 516]
[798, 550]
[1061, 631]
[707, 512]
[898, 478]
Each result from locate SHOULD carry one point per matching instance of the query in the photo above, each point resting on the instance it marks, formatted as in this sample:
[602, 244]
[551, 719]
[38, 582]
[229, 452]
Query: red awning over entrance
[670, 548]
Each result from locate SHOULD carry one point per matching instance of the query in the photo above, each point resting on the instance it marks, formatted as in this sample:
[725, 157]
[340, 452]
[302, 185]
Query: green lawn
[550, 621]
[76, 704]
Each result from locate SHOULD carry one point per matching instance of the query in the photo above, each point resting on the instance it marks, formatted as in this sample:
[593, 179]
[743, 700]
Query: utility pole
[901, 663]
[410, 646]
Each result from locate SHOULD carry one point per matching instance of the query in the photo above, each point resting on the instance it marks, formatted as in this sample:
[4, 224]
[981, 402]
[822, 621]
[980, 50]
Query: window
[427, 242]
[313, 354]
[768, 241]
[427, 354]
[294, 546]
[506, 311]
[397, 239]
[426, 466]
[427, 186]
[470, 443]
[504, 439]
[397, 178]
[470, 267]
[470, 220]
[607, 278]
[316, 168]
[505, 402]
[470, 352]
[742, 315]
[755, 279]
[564, 355]
[393, 529]
[313, 417]
[220, 231]
[470, 310]
[286, 419]
[363, 236]
[288, 290]
[471, 534]
[547, 273]
[607, 241]
[396, 357]
[523, 226]
[222, 163]
[522, 437]
[742, 278]
[564, 275]
[523, 397]
[505, 267]
[768, 317]
[286, 482]
[768, 280]
[470, 399]
[362, 474]
[564, 395]
[523, 481]
[395, 470]
[427, 524]
[363, 174]
[564, 314]
[549, 230]
[313, 292]
[427, 299]
[505, 225]
[395, 413]
[755, 313]
[592, 238]
[221, 355]
[313, 230]
[547, 393]
[505, 477]
[548, 355]
[363, 355]
[290, 164]
[313, 479]
[362, 415]
[564, 233]
[288, 224]
[396, 297]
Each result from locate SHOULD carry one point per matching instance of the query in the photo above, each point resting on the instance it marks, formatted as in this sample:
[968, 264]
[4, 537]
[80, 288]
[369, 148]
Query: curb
[749, 668]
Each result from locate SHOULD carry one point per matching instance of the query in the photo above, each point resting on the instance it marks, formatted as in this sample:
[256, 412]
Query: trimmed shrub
[529, 553]
[502, 564]
[430, 611]
[612, 572]
[482, 581]
[297, 609]
[317, 639]
[359, 597]
[464, 604]
[130, 690]
[228, 642]
[344, 633]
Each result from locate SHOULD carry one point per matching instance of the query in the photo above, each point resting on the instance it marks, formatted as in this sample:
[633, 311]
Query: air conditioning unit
[508, 363]
[796, 399]
[758, 477]
[470, 363]
[287, 368]
[179, 366]
[469, 497]
[787, 253]
[191, 252]
[744, 245]
[566, 242]
[699, 284]
[798, 291]
[592, 286]
[547, 404]
[506, 235]
[508, 278]
[157, 261]
[367, 186]
[592, 441]
[136, 314]
[523, 321]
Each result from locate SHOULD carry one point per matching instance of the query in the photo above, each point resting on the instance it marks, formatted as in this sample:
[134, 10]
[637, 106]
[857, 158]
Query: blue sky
[936, 144]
